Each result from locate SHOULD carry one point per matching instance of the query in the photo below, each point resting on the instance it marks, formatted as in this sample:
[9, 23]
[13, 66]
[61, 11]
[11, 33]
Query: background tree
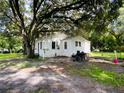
[103, 42]
[10, 42]
[117, 28]
[14, 43]
[3, 18]
[112, 37]
[3, 43]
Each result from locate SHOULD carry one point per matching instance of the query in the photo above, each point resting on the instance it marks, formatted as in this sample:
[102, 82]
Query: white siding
[61, 38]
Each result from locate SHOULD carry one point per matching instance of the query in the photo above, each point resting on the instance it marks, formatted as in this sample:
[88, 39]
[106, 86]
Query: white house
[60, 44]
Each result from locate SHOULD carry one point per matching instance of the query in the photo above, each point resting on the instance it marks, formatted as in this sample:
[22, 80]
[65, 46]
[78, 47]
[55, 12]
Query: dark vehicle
[80, 56]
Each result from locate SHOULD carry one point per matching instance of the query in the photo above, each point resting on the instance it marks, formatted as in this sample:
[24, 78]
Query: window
[65, 45]
[80, 44]
[77, 43]
[40, 45]
[53, 45]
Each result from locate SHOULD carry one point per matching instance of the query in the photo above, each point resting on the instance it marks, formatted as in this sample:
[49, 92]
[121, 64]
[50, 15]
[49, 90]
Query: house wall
[47, 50]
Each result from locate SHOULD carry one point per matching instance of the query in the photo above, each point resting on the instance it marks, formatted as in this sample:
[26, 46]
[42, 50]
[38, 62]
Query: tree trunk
[30, 51]
[2, 50]
[24, 48]
[29, 47]
[10, 50]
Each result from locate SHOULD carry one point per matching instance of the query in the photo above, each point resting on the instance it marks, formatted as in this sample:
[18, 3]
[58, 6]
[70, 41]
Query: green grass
[18, 55]
[10, 56]
[98, 74]
[109, 55]
[21, 64]
[24, 64]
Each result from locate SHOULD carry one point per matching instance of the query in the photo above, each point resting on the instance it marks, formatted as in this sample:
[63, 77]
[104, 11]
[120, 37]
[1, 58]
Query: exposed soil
[51, 77]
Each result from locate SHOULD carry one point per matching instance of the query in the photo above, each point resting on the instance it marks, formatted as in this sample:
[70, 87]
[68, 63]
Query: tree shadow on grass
[45, 79]
[20, 63]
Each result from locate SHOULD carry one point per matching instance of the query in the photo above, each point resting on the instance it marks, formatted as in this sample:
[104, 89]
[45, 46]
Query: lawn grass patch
[106, 77]
[20, 65]
[11, 56]
[109, 55]
[24, 65]
[98, 74]
[20, 61]
[6, 64]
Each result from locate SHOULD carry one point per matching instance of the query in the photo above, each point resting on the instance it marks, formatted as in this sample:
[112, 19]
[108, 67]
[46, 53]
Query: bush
[121, 48]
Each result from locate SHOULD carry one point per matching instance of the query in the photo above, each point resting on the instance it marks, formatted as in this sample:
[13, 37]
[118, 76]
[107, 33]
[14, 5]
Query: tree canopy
[36, 16]
[113, 38]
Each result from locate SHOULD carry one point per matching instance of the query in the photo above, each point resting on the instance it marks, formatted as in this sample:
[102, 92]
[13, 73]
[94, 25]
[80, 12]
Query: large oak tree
[35, 16]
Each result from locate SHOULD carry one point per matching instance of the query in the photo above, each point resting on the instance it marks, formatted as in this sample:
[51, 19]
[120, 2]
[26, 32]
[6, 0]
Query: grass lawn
[109, 55]
[18, 56]
[98, 74]
[10, 56]
[20, 64]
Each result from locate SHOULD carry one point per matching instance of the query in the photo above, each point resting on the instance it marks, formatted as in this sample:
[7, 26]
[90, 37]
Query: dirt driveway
[48, 77]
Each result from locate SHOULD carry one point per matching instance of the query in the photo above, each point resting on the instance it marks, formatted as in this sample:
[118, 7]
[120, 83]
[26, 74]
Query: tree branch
[73, 6]
[36, 7]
